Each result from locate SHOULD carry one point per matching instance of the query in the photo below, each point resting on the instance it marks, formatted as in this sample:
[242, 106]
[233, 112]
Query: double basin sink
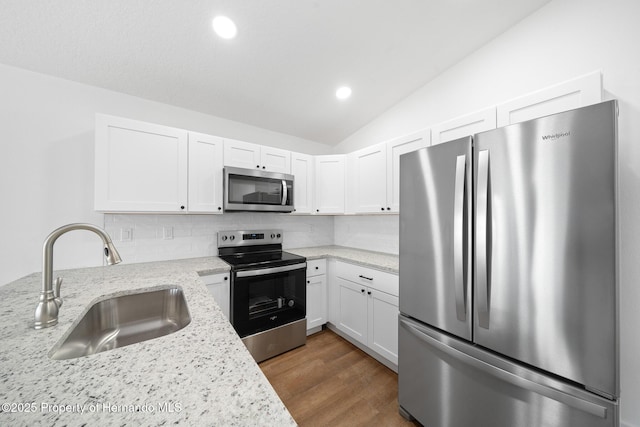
[124, 320]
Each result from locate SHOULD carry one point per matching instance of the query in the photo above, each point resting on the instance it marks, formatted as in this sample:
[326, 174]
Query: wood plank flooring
[330, 382]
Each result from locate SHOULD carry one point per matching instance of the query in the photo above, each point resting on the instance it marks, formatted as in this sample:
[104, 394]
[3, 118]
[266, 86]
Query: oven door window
[263, 302]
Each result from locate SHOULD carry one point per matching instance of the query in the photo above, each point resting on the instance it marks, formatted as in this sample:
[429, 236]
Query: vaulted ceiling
[280, 72]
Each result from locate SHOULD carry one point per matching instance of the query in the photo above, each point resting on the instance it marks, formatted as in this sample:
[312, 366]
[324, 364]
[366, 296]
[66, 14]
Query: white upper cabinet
[302, 171]
[253, 156]
[575, 93]
[396, 148]
[368, 179]
[329, 183]
[466, 125]
[139, 167]
[275, 159]
[205, 173]
[373, 176]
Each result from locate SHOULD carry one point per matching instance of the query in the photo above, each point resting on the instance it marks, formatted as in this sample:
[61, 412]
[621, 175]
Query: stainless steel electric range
[268, 291]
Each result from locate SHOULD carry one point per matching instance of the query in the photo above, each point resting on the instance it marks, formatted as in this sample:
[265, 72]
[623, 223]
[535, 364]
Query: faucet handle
[58, 284]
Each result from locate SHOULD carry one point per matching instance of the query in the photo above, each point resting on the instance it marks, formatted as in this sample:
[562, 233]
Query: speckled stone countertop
[379, 260]
[201, 375]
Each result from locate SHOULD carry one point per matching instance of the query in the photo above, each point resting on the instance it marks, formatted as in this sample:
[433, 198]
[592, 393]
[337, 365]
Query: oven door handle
[272, 270]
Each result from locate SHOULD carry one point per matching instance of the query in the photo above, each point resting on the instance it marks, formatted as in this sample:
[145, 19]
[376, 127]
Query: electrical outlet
[167, 233]
[126, 234]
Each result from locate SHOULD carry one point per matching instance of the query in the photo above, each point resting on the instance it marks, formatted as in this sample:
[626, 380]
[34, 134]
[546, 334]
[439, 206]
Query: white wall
[46, 178]
[565, 39]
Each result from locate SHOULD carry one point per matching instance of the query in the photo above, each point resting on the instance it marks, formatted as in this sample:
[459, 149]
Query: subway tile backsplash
[144, 237]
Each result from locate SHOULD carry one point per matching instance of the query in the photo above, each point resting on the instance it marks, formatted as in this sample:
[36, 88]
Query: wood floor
[330, 382]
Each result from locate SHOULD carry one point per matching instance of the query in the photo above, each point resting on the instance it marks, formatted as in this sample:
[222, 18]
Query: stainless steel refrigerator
[509, 276]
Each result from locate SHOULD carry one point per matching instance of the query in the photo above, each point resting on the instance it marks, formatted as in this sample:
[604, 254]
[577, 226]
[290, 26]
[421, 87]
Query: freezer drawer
[445, 382]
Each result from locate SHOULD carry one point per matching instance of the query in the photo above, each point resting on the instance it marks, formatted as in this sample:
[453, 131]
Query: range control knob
[273, 236]
[232, 237]
[224, 238]
[279, 235]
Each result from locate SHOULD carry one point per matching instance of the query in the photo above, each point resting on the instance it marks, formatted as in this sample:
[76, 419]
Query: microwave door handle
[284, 192]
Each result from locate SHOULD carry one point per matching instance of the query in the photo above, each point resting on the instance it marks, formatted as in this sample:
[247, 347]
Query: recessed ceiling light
[343, 92]
[224, 27]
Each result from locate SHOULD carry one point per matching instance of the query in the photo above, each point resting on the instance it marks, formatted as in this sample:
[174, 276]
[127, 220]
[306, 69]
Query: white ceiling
[279, 73]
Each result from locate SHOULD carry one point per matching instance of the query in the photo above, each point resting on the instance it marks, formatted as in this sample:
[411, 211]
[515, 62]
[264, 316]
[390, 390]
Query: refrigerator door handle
[551, 393]
[482, 239]
[459, 238]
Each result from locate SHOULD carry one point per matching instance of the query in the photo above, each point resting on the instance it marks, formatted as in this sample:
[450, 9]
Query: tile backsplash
[143, 237]
[371, 232]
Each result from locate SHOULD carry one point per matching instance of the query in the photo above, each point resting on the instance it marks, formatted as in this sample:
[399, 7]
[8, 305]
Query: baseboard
[364, 348]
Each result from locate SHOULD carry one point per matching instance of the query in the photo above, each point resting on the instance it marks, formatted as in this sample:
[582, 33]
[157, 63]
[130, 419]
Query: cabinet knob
[388, 208]
[258, 166]
[317, 267]
[317, 210]
[219, 208]
[362, 290]
[368, 292]
[381, 209]
[263, 167]
[226, 278]
[308, 281]
[182, 207]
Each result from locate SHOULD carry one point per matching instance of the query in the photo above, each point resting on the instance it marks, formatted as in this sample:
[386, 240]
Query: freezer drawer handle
[482, 239]
[564, 398]
[459, 238]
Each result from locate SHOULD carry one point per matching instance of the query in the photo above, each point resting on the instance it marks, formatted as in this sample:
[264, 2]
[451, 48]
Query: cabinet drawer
[316, 267]
[376, 279]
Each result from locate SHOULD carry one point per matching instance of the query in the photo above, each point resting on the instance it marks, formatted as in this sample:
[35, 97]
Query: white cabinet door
[466, 125]
[329, 183]
[383, 324]
[369, 179]
[352, 309]
[218, 286]
[205, 173]
[575, 93]
[395, 148]
[302, 171]
[139, 167]
[275, 160]
[316, 301]
[241, 154]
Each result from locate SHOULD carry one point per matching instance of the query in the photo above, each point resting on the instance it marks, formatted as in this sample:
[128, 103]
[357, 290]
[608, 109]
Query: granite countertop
[379, 260]
[199, 375]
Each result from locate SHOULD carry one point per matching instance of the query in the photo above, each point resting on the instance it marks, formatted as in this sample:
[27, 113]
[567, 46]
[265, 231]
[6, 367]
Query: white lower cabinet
[367, 307]
[220, 288]
[316, 295]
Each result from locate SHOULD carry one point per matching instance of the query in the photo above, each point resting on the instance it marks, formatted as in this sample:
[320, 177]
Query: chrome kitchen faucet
[47, 310]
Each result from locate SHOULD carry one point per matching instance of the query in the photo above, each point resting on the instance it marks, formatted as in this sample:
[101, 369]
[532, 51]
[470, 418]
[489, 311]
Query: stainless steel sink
[125, 320]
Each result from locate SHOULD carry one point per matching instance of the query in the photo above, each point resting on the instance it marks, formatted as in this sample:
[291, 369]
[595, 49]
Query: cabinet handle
[365, 277]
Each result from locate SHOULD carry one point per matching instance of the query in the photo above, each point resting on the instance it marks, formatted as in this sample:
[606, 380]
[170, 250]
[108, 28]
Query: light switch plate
[167, 233]
[126, 234]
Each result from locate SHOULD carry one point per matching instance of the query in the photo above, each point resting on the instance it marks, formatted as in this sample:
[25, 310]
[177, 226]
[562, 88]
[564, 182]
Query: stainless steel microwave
[256, 190]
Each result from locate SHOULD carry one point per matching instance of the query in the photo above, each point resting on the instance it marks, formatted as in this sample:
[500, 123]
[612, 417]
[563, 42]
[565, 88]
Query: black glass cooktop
[265, 259]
